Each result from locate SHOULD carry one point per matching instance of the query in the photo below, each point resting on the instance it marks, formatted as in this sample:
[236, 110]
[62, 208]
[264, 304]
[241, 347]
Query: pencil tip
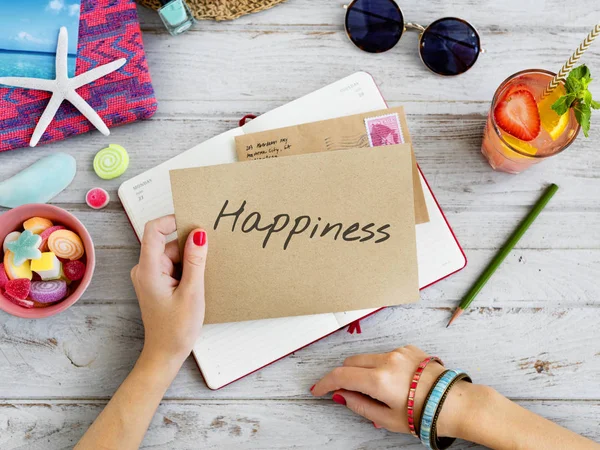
[455, 316]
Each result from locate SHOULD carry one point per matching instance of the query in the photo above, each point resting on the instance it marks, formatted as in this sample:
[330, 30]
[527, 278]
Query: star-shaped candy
[26, 247]
[63, 88]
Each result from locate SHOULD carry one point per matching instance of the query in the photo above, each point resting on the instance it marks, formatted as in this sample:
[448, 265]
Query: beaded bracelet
[433, 404]
[413, 390]
[443, 443]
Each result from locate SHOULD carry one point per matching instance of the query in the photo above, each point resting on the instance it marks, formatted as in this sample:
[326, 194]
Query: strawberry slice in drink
[518, 115]
[514, 88]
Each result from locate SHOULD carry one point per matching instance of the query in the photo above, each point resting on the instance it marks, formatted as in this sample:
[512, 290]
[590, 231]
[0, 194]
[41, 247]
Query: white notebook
[228, 352]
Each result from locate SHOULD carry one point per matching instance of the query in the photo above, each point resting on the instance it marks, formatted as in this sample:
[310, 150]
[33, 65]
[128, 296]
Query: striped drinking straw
[564, 70]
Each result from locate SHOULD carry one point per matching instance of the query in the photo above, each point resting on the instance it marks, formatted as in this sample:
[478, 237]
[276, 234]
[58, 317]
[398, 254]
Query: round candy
[37, 224]
[111, 162]
[3, 276]
[66, 244]
[48, 291]
[74, 270]
[10, 237]
[46, 234]
[97, 198]
[18, 288]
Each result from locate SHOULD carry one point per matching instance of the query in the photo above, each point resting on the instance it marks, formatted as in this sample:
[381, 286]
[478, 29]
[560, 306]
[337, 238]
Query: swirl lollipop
[48, 291]
[111, 162]
[66, 244]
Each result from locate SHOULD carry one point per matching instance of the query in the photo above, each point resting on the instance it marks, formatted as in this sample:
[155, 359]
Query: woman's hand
[172, 310]
[376, 387]
[173, 313]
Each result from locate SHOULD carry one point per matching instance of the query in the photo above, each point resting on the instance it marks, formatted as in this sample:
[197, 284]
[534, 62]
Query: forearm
[490, 419]
[126, 418]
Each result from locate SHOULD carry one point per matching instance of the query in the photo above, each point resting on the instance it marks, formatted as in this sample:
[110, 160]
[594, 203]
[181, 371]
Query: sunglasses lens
[449, 46]
[374, 25]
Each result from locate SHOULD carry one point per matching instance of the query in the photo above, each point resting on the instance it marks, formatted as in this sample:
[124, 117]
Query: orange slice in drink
[522, 146]
[554, 124]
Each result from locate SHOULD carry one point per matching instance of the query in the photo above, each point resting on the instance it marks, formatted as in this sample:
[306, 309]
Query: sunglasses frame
[410, 26]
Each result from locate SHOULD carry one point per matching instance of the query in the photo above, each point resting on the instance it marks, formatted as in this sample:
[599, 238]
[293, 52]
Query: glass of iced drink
[522, 129]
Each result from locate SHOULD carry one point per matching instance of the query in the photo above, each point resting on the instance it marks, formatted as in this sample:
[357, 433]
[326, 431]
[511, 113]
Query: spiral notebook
[230, 351]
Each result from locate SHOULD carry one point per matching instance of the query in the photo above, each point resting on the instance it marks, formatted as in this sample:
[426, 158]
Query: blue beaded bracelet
[433, 403]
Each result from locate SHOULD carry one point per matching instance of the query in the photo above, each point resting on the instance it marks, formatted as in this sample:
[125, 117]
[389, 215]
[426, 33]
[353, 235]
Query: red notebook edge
[248, 116]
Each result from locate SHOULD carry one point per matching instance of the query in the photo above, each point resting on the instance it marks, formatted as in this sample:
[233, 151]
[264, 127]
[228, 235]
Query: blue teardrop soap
[40, 182]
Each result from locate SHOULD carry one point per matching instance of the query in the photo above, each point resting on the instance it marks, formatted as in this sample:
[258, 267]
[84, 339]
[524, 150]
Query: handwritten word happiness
[300, 225]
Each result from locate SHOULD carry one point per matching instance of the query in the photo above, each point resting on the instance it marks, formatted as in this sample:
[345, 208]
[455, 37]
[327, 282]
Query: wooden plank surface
[225, 424]
[533, 334]
[523, 352]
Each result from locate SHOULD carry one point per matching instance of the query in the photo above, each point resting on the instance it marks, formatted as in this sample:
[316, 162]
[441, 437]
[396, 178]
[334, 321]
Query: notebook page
[354, 94]
[148, 196]
[228, 351]
[438, 254]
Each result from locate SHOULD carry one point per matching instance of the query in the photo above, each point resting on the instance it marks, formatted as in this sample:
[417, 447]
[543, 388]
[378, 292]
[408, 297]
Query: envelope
[373, 129]
[308, 234]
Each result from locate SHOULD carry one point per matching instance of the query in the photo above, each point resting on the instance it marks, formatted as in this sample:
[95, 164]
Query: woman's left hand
[376, 387]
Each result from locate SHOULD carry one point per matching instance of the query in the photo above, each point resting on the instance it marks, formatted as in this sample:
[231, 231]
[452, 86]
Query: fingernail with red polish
[376, 426]
[200, 238]
[312, 387]
[339, 399]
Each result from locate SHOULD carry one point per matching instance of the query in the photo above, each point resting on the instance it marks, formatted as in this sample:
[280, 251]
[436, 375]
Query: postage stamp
[384, 130]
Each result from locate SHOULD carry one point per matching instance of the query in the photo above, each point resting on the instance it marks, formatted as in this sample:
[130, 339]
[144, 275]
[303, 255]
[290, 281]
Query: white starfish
[63, 88]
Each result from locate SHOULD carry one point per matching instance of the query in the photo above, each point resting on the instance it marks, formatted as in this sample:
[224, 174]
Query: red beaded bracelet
[413, 390]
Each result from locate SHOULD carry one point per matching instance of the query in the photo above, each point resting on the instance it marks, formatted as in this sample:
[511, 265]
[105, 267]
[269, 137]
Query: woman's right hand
[376, 386]
[172, 310]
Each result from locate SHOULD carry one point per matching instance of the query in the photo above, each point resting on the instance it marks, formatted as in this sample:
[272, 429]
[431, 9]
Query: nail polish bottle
[176, 16]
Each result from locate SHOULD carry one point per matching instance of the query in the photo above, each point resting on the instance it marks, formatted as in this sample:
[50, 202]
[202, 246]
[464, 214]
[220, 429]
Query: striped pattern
[413, 390]
[564, 71]
[433, 402]
[108, 30]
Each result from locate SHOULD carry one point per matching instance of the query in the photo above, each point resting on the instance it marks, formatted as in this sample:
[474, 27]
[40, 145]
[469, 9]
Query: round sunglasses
[449, 46]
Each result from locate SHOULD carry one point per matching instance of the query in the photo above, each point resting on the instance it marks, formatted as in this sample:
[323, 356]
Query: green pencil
[503, 253]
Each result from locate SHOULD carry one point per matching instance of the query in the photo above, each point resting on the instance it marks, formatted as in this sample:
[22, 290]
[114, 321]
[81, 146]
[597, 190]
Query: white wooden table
[533, 334]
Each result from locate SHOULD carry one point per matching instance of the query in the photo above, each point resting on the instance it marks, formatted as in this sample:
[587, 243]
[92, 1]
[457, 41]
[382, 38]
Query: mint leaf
[573, 84]
[578, 97]
[585, 82]
[580, 73]
[583, 114]
[562, 105]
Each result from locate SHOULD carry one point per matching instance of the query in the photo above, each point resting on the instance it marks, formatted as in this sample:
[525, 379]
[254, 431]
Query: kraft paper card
[373, 129]
[308, 234]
